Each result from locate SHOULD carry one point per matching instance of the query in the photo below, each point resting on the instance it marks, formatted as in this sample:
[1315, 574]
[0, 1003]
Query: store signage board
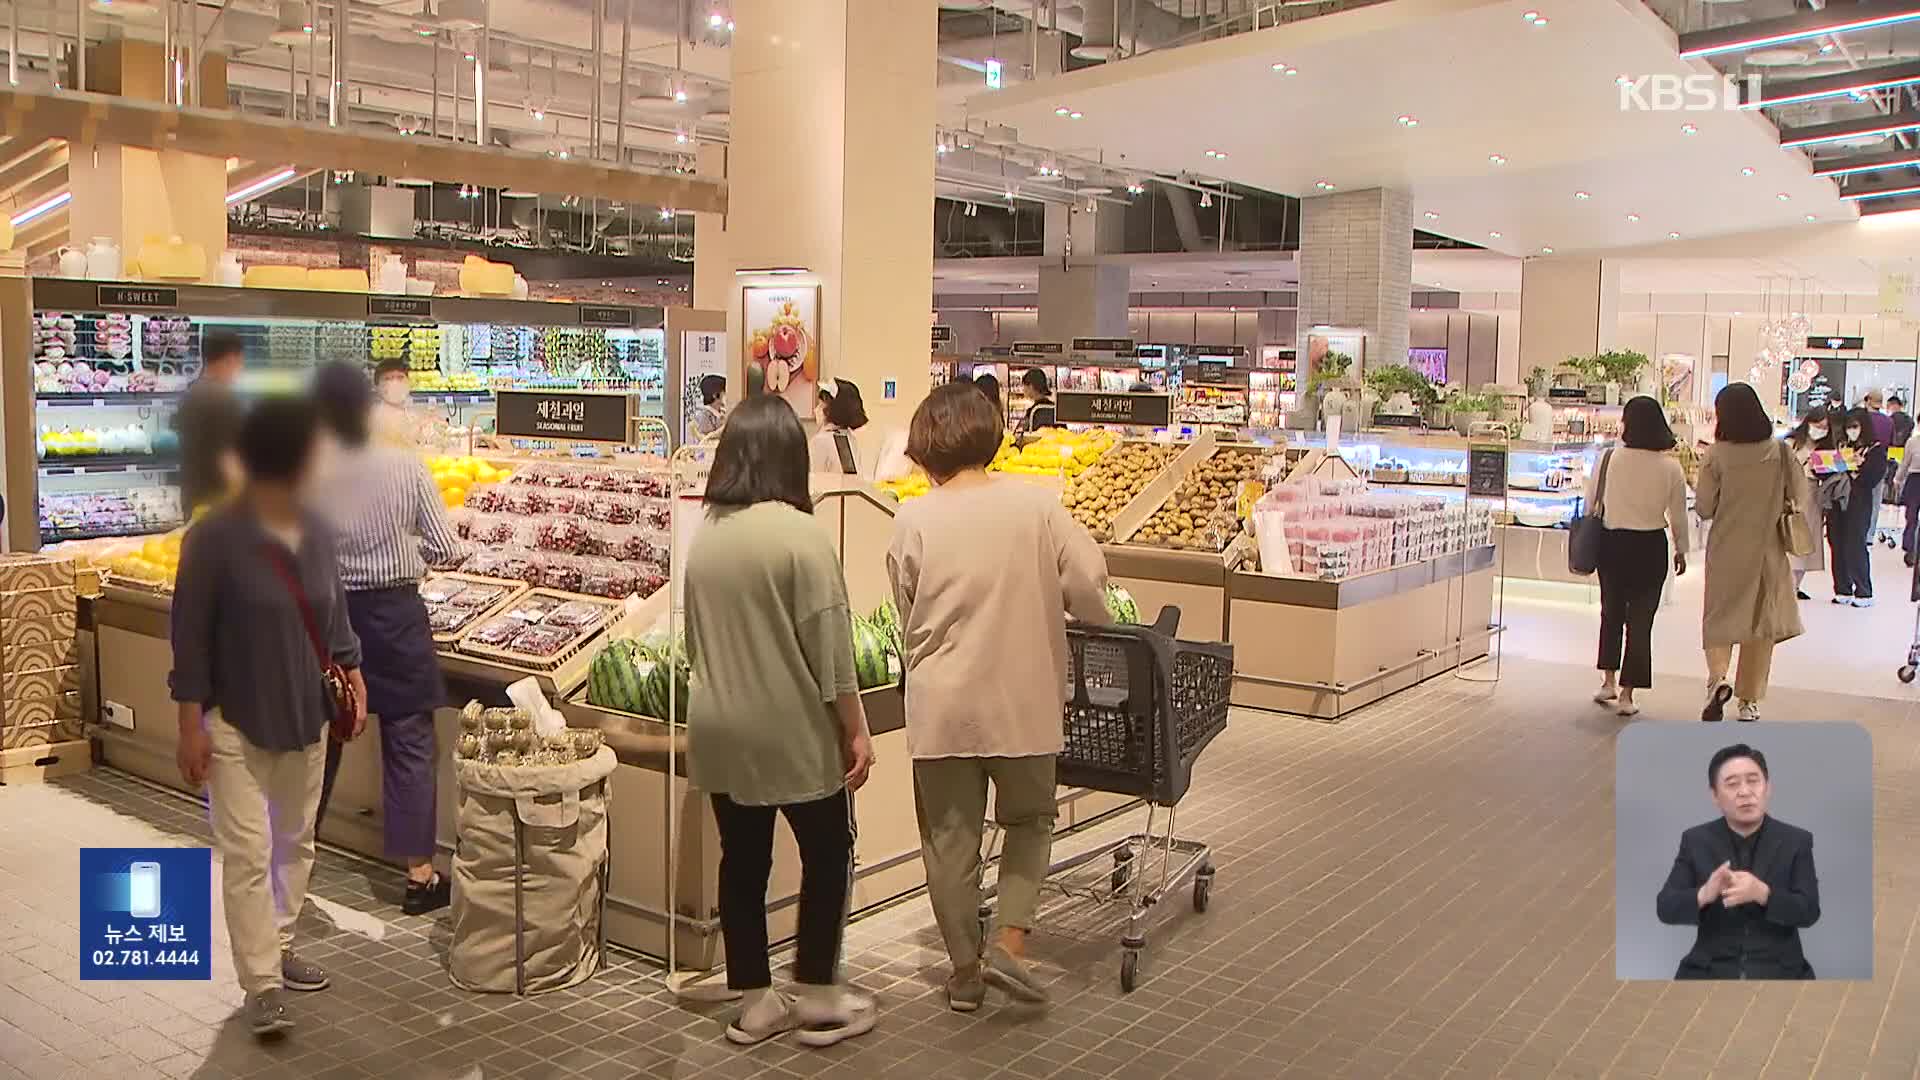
[1575, 394]
[595, 315]
[399, 307]
[1402, 420]
[1487, 469]
[574, 416]
[138, 296]
[1132, 410]
[1039, 349]
[1230, 352]
[1837, 343]
[942, 335]
[1104, 345]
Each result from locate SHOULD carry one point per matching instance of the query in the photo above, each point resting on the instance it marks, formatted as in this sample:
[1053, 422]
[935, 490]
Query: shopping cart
[1141, 705]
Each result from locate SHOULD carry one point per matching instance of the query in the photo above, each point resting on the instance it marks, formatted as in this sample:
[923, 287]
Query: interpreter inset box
[1743, 851]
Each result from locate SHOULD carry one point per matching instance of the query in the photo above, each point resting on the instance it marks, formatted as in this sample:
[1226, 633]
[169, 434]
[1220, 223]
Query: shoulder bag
[1584, 532]
[346, 703]
[1795, 537]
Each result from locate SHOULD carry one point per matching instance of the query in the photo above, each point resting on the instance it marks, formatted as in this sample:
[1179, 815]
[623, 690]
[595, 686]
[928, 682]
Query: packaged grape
[441, 590]
[488, 498]
[498, 530]
[612, 509]
[569, 502]
[564, 573]
[496, 632]
[652, 486]
[543, 640]
[648, 584]
[523, 565]
[609, 578]
[579, 614]
[566, 535]
[638, 546]
[526, 500]
[531, 609]
[476, 596]
[447, 620]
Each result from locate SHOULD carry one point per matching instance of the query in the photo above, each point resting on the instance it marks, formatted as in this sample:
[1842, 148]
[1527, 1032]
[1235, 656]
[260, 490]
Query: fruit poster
[783, 341]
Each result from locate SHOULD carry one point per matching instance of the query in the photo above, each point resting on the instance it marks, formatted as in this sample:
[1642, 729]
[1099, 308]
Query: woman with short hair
[985, 649]
[1747, 480]
[1040, 413]
[774, 724]
[1850, 534]
[838, 412]
[1645, 499]
[711, 413]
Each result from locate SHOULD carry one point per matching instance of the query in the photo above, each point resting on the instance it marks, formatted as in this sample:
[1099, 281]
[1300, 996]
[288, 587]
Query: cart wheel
[1906, 673]
[1129, 971]
[1202, 891]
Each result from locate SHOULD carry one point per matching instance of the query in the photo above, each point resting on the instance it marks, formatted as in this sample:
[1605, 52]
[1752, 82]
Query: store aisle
[1845, 649]
[1423, 890]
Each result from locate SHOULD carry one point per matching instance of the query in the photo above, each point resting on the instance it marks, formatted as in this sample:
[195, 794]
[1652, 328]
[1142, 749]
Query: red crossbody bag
[346, 703]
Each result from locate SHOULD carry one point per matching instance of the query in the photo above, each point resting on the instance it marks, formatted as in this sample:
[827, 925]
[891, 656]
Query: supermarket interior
[1320, 326]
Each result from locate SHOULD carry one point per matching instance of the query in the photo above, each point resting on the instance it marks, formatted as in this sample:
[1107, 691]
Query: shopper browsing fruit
[1039, 394]
[389, 527]
[985, 650]
[207, 421]
[837, 413]
[775, 726]
[257, 603]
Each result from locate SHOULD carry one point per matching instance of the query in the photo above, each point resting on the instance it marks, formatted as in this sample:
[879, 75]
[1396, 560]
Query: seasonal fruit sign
[783, 341]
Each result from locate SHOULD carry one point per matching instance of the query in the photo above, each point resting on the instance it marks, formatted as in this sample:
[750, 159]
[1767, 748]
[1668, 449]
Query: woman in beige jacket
[1747, 480]
[985, 571]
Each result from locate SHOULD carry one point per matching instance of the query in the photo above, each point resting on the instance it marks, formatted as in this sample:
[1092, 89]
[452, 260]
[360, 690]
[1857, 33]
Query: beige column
[829, 169]
[1568, 307]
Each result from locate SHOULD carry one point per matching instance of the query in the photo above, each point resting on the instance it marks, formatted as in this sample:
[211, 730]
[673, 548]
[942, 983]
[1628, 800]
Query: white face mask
[1817, 432]
[1853, 434]
[394, 391]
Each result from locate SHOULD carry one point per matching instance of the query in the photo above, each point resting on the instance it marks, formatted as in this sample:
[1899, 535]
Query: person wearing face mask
[393, 422]
[1850, 533]
[1814, 432]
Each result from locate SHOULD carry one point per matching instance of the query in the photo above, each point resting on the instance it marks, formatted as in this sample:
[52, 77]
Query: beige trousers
[950, 797]
[1756, 666]
[263, 803]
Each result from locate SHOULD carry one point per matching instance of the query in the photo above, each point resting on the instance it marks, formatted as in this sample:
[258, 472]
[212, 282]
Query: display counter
[1326, 648]
[648, 788]
[1195, 582]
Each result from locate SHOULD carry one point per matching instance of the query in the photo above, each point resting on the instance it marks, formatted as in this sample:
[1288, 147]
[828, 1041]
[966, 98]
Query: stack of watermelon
[638, 675]
[1120, 605]
[877, 653]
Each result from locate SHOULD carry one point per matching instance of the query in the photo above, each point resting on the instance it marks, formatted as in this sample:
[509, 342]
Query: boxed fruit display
[1202, 514]
[543, 631]
[506, 737]
[458, 601]
[579, 528]
[1337, 528]
[1097, 495]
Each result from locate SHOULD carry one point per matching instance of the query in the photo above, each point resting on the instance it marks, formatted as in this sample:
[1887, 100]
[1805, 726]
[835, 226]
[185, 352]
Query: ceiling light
[1540, 23]
[1583, 196]
[680, 95]
[1842, 84]
[41, 209]
[1783, 196]
[680, 135]
[1407, 121]
[1431, 216]
[1673, 236]
[1495, 234]
[1075, 115]
[1062, 111]
[1689, 129]
[1286, 69]
[1746, 171]
[1546, 251]
[565, 154]
[1811, 217]
[1797, 27]
[666, 213]
[260, 187]
[1496, 159]
[1633, 217]
[515, 193]
[1530, 16]
[716, 20]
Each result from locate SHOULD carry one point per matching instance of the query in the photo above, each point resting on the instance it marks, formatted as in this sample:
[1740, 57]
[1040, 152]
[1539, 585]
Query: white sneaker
[824, 1021]
[1843, 600]
[1863, 601]
[1748, 711]
[771, 1014]
[1627, 708]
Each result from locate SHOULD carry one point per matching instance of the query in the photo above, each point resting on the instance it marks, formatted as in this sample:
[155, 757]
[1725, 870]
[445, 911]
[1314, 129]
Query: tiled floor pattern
[1421, 891]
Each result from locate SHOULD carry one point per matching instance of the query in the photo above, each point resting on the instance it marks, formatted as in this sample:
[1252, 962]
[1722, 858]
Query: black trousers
[1633, 571]
[1849, 541]
[823, 829]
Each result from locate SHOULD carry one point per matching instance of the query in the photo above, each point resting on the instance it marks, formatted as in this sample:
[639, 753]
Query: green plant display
[1474, 403]
[1396, 378]
[1539, 381]
[1333, 366]
[1619, 366]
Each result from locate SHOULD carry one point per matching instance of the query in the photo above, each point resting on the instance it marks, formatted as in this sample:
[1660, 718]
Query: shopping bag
[1584, 532]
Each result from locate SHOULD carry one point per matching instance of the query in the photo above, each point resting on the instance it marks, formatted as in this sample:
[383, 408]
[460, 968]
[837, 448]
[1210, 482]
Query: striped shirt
[389, 522]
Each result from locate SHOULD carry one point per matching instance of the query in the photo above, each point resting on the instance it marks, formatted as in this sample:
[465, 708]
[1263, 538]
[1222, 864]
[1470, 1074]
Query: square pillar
[1088, 300]
[1356, 268]
[1568, 307]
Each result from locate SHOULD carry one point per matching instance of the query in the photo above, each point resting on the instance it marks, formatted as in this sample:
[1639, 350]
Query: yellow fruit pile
[911, 486]
[155, 562]
[1044, 456]
[454, 475]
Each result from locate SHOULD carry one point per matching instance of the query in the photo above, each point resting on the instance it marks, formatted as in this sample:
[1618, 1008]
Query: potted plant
[1613, 373]
[1539, 381]
[1470, 409]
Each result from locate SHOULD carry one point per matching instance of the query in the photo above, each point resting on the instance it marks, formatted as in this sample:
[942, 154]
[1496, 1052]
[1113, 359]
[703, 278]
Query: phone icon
[143, 894]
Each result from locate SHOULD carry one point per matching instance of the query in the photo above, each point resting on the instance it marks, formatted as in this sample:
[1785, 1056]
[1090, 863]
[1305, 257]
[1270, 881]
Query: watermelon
[613, 681]
[1120, 605]
[632, 676]
[659, 681]
[873, 658]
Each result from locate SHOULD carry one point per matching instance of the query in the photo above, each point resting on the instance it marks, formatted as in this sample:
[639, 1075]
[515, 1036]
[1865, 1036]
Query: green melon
[614, 679]
[1121, 606]
[871, 654]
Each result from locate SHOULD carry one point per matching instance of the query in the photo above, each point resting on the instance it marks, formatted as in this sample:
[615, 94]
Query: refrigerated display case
[1273, 389]
[1213, 394]
[89, 437]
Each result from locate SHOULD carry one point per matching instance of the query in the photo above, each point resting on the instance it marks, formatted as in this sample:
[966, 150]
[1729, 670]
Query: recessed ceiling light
[1623, 80]
[1540, 23]
[1783, 196]
[1431, 216]
[1746, 170]
[1688, 129]
[1530, 16]
[1811, 217]
[1407, 121]
[1583, 196]
[1495, 234]
[1546, 251]
[1497, 159]
[1286, 69]
[1323, 185]
[1075, 115]
[1633, 217]
[1062, 111]
[1673, 236]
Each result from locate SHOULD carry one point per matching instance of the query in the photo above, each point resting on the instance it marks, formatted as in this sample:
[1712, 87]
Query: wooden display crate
[35, 764]
[563, 672]
[515, 590]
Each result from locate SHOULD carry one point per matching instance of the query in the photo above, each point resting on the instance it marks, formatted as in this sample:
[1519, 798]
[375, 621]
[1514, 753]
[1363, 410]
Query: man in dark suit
[1746, 880]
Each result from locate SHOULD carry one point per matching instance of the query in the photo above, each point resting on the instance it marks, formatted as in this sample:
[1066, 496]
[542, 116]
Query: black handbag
[1584, 532]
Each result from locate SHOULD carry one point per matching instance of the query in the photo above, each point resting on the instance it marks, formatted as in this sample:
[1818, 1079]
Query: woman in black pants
[1640, 493]
[1848, 531]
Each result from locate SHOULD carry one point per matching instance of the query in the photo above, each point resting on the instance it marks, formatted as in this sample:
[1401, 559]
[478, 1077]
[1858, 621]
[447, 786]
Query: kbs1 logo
[1686, 93]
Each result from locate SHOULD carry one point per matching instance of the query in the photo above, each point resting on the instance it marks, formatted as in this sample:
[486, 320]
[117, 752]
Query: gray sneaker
[266, 1016]
[966, 994]
[1011, 976]
[298, 974]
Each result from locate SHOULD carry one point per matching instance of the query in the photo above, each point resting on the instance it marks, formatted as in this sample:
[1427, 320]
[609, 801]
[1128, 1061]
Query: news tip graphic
[146, 913]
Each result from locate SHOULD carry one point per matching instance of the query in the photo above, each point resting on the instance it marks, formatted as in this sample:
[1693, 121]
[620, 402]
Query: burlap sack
[562, 846]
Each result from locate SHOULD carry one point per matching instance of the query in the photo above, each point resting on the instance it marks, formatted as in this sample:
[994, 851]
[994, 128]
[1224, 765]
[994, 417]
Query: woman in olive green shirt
[774, 719]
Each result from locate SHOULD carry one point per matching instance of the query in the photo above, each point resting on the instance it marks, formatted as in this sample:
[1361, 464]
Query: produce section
[1203, 513]
[1098, 495]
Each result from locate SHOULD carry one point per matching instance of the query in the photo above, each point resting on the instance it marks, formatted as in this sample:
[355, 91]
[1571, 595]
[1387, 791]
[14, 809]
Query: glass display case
[1213, 394]
[1273, 388]
[1545, 481]
[107, 364]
